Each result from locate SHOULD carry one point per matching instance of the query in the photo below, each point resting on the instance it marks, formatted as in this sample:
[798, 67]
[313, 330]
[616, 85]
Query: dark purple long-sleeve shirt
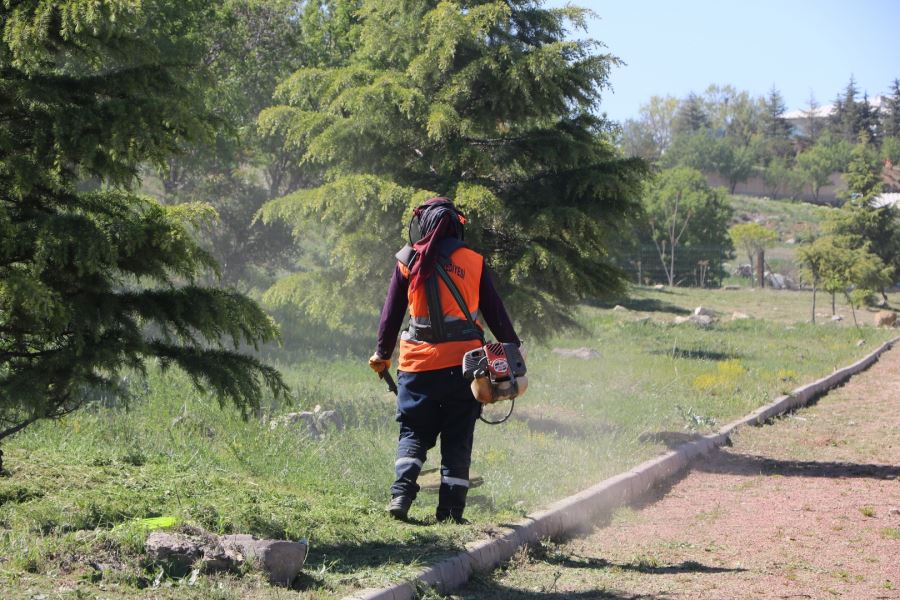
[393, 315]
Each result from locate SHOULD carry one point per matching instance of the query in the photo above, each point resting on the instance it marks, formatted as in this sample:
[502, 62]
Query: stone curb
[575, 513]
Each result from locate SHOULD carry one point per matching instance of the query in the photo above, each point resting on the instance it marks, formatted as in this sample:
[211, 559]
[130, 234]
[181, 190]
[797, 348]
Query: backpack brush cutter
[497, 372]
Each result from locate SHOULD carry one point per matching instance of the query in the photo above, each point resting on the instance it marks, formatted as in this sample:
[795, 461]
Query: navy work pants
[429, 404]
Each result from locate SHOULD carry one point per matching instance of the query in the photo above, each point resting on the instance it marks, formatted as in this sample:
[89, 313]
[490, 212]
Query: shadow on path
[750, 465]
[497, 591]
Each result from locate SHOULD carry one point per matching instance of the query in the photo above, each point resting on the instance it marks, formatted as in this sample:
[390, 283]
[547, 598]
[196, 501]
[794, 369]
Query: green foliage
[752, 238]
[683, 212]
[247, 47]
[650, 134]
[782, 180]
[834, 264]
[890, 150]
[704, 151]
[860, 224]
[691, 116]
[863, 174]
[489, 104]
[92, 282]
[891, 112]
[818, 163]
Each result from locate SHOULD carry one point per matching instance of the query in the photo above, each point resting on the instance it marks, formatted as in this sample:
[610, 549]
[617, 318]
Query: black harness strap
[435, 310]
[438, 330]
[475, 330]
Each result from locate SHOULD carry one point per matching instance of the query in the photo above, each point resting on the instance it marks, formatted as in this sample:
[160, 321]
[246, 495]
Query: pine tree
[847, 117]
[94, 278]
[891, 113]
[488, 103]
[813, 124]
[776, 129]
[775, 126]
[249, 47]
[869, 116]
[860, 223]
[692, 116]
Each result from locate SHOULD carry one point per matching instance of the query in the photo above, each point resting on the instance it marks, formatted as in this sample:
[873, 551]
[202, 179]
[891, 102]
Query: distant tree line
[169, 169]
[734, 135]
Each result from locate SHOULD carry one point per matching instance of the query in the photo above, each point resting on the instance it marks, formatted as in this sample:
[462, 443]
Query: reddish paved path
[808, 507]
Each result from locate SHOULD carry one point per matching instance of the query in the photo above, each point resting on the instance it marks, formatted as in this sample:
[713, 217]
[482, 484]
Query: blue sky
[800, 46]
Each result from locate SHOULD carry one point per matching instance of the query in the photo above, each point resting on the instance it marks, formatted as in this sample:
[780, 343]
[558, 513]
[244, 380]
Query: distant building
[886, 199]
[799, 119]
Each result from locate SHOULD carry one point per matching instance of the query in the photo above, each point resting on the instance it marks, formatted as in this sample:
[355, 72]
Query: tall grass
[77, 485]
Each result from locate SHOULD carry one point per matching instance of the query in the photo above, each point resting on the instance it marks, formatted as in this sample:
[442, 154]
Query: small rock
[739, 316]
[837, 318]
[177, 552]
[702, 320]
[659, 286]
[701, 311]
[582, 353]
[281, 560]
[309, 419]
[619, 307]
[860, 343]
[885, 318]
[329, 419]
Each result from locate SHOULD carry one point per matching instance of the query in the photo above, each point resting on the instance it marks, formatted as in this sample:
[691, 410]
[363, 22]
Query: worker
[433, 398]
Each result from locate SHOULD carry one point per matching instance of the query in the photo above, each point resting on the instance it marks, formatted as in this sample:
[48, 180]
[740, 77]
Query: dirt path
[808, 507]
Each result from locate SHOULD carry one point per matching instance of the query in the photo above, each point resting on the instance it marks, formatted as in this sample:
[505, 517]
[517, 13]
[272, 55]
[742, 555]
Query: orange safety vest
[464, 268]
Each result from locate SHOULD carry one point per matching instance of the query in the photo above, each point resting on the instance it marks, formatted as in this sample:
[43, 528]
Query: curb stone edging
[574, 513]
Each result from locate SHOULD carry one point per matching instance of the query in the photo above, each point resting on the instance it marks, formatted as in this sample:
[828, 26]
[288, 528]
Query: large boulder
[885, 318]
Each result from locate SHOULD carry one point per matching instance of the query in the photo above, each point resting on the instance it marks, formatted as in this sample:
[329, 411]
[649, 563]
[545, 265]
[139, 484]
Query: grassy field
[74, 488]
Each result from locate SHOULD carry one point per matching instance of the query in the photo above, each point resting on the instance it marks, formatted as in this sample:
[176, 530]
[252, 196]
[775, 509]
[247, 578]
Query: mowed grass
[75, 487]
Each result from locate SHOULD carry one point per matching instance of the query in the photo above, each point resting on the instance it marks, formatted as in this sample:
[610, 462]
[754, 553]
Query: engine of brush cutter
[497, 372]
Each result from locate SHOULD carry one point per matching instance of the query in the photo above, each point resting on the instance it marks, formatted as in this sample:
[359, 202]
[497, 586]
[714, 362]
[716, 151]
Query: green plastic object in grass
[154, 523]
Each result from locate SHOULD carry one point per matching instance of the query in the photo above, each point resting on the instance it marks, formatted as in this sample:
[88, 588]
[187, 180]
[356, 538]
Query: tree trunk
[814, 304]
[761, 267]
[672, 267]
[852, 309]
[832, 304]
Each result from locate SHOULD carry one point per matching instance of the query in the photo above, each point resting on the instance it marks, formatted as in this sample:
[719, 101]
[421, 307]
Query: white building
[799, 118]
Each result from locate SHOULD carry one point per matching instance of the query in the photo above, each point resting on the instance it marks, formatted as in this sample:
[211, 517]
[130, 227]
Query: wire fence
[694, 266]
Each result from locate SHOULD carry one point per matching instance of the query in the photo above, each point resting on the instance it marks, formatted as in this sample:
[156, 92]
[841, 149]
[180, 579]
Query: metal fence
[694, 266]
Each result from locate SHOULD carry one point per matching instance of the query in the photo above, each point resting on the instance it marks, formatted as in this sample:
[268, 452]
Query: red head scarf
[438, 218]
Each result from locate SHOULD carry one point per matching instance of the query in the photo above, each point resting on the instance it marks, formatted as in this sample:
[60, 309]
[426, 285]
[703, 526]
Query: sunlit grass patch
[727, 376]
